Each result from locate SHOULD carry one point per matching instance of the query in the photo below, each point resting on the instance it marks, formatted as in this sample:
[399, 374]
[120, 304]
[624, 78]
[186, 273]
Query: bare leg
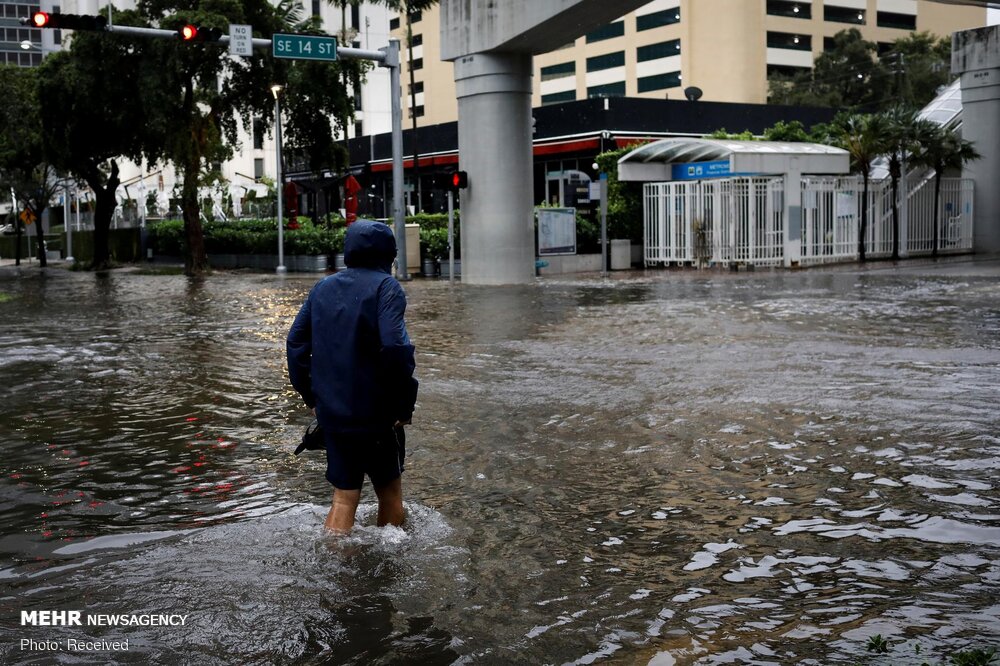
[340, 520]
[390, 503]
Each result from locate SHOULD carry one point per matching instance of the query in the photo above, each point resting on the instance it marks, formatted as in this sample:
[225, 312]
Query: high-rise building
[726, 48]
[19, 45]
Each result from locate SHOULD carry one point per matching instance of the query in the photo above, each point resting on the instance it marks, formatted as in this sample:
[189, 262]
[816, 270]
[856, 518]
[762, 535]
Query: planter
[268, 262]
[458, 269]
[621, 254]
[310, 263]
[338, 262]
[429, 268]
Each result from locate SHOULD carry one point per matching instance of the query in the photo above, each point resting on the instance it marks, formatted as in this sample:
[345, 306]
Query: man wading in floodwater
[351, 360]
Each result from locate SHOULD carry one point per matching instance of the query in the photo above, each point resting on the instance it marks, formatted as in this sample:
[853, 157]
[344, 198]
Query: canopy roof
[654, 161]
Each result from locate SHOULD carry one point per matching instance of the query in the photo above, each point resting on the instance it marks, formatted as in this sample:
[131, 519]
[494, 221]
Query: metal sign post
[604, 223]
[451, 236]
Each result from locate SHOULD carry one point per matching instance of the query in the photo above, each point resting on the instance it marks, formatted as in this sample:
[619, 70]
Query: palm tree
[863, 136]
[942, 149]
[898, 142]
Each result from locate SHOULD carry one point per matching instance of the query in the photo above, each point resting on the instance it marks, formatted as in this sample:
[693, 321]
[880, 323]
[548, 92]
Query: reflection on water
[660, 469]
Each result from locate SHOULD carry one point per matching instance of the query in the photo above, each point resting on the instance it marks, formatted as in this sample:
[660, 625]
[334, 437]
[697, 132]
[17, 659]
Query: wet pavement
[661, 467]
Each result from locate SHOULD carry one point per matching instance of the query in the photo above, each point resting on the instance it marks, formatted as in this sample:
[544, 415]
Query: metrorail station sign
[699, 170]
[304, 47]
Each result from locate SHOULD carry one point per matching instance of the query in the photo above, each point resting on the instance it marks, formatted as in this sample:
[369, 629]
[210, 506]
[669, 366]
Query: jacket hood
[369, 244]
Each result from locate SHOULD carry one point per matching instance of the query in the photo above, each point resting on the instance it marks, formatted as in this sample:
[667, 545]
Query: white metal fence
[714, 221]
[741, 220]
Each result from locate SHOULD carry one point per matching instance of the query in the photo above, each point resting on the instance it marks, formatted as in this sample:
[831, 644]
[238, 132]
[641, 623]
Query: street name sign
[240, 40]
[304, 47]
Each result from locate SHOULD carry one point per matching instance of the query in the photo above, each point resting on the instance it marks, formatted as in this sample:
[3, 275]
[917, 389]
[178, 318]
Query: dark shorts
[350, 456]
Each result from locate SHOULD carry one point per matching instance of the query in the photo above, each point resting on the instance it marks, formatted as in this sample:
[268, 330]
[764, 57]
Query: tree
[897, 142]
[918, 65]
[793, 131]
[23, 166]
[85, 138]
[199, 95]
[847, 75]
[624, 198]
[941, 149]
[862, 137]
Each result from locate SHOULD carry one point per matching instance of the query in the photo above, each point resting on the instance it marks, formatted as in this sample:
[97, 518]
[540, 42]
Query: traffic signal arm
[66, 21]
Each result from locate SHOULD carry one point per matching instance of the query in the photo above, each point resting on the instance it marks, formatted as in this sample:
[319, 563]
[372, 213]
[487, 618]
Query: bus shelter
[742, 198]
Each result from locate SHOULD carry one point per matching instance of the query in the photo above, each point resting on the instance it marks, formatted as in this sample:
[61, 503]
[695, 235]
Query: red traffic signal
[459, 180]
[67, 21]
[196, 33]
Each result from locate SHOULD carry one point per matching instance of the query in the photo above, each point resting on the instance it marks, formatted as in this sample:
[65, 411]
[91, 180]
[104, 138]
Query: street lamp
[276, 91]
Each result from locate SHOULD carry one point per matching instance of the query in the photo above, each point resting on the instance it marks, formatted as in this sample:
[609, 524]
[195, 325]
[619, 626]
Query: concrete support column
[494, 145]
[976, 56]
[793, 214]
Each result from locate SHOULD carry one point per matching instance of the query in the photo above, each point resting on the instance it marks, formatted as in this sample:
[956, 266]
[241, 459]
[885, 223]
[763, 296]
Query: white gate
[723, 221]
[741, 220]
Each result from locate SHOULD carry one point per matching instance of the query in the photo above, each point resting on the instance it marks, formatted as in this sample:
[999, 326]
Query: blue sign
[699, 170]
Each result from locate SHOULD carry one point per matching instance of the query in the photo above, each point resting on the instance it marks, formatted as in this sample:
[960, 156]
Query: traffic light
[66, 21]
[195, 33]
[459, 180]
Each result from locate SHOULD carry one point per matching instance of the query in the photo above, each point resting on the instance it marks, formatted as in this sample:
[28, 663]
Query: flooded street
[669, 467]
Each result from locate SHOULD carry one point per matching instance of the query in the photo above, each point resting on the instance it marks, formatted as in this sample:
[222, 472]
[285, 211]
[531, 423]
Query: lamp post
[276, 91]
[67, 205]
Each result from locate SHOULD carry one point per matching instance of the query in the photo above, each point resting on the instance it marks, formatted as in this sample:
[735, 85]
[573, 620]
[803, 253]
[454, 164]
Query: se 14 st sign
[304, 47]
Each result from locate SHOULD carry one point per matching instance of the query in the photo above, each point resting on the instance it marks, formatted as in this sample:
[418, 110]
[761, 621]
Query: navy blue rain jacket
[349, 355]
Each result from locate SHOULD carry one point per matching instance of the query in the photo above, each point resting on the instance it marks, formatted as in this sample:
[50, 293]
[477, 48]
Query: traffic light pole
[451, 235]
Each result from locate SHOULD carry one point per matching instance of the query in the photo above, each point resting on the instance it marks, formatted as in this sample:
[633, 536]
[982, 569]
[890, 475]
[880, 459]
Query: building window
[418, 63]
[359, 129]
[417, 40]
[394, 24]
[787, 40]
[898, 21]
[315, 7]
[790, 8]
[416, 16]
[844, 15]
[417, 111]
[610, 31]
[258, 168]
[658, 19]
[560, 71]
[356, 15]
[788, 71]
[606, 61]
[258, 134]
[555, 98]
[657, 51]
[659, 82]
[416, 88]
[607, 90]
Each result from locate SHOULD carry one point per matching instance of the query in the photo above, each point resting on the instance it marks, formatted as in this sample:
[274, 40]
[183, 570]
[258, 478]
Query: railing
[733, 220]
[741, 220]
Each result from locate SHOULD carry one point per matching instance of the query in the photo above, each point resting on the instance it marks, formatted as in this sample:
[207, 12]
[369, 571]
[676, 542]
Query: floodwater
[658, 468]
